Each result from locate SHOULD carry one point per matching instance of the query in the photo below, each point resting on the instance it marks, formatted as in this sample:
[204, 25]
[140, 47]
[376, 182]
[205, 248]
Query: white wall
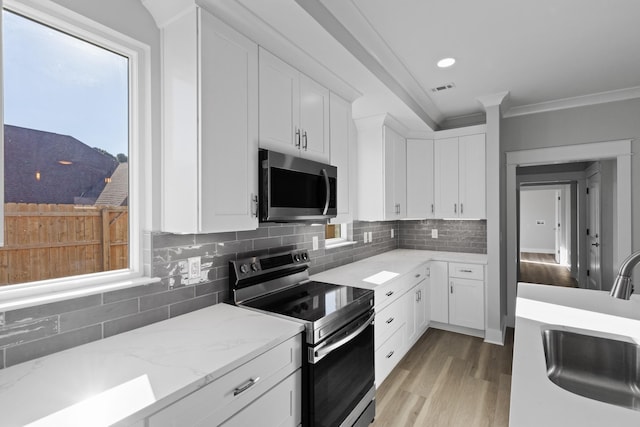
[537, 206]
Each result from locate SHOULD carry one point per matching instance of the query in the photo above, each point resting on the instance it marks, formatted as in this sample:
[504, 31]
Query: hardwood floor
[448, 380]
[541, 268]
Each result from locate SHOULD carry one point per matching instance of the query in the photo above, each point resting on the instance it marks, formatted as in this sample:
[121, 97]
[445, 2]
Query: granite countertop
[158, 364]
[535, 400]
[400, 261]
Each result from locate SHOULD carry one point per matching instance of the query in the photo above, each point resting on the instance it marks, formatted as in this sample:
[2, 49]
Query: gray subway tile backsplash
[77, 321]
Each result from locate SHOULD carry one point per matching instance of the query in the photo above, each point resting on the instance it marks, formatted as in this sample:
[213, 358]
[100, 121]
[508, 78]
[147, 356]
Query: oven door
[340, 374]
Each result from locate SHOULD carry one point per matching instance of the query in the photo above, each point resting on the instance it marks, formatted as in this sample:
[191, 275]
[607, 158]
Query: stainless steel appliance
[338, 369]
[296, 189]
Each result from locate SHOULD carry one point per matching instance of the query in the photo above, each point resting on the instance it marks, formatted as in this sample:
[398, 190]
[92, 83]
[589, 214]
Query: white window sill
[338, 244]
[13, 297]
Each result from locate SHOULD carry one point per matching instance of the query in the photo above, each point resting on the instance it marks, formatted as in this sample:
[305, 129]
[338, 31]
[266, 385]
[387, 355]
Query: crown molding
[578, 101]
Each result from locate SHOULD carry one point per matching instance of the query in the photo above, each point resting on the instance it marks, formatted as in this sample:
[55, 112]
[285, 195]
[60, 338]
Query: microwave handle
[328, 192]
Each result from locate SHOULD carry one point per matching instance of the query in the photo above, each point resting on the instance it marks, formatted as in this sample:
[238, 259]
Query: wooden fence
[45, 241]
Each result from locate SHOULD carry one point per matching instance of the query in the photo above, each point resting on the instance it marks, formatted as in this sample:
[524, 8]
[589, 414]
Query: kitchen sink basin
[599, 368]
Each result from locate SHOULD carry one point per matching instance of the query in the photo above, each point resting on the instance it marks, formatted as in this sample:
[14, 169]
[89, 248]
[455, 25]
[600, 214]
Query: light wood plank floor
[448, 380]
[542, 268]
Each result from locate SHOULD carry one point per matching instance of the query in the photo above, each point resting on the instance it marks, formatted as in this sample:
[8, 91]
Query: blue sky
[58, 83]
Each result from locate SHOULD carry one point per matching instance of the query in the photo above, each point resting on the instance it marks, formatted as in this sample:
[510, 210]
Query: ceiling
[546, 54]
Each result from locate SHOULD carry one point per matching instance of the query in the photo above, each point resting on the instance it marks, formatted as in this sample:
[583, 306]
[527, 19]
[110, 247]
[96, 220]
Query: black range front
[338, 370]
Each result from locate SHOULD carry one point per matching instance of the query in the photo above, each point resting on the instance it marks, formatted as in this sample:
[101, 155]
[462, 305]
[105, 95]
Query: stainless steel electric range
[338, 361]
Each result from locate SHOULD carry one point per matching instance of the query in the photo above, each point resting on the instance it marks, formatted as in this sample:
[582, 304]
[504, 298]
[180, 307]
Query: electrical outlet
[194, 267]
[314, 239]
[392, 233]
[366, 237]
[370, 236]
[434, 233]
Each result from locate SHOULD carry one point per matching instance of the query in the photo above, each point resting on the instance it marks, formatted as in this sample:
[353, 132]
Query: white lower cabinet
[270, 380]
[402, 316]
[457, 294]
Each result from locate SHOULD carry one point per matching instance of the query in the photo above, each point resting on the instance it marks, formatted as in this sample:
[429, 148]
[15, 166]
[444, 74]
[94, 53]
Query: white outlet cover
[434, 233]
[392, 233]
[370, 236]
[194, 267]
[314, 239]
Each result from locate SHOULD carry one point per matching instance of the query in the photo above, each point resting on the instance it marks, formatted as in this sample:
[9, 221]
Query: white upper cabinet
[294, 110]
[210, 126]
[382, 179]
[343, 156]
[459, 177]
[420, 202]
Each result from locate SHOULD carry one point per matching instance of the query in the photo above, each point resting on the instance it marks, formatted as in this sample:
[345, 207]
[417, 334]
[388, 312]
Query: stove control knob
[254, 266]
[296, 258]
[305, 256]
[244, 268]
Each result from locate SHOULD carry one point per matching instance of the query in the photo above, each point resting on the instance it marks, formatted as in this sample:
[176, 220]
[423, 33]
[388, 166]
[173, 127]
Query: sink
[599, 368]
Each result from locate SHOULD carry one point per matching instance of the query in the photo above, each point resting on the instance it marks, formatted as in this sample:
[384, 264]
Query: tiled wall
[453, 236]
[32, 332]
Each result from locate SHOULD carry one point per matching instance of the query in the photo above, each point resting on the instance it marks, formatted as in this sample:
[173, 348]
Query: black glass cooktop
[309, 301]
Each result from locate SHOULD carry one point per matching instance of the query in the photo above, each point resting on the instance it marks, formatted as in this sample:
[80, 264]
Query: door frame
[620, 150]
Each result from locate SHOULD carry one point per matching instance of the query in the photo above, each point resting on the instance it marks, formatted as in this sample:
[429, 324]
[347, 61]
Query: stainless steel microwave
[293, 189]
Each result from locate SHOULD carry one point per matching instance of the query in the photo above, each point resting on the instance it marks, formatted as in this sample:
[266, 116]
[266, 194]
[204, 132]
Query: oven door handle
[320, 353]
[327, 186]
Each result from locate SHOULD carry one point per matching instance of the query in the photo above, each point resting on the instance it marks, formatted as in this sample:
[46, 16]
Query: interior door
[594, 276]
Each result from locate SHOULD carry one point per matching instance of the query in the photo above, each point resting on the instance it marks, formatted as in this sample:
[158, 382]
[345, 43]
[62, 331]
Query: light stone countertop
[399, 261]
[535, 400]
[168, 359]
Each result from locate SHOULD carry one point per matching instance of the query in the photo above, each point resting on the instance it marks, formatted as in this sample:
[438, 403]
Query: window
[74, 131]
[336, 235]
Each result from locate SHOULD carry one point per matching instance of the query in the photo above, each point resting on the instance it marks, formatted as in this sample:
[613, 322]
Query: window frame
[139, 202]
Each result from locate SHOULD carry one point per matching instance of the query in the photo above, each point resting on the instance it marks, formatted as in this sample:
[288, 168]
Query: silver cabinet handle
[297, 141]
[455, 208]
[418, 275]
[451, 287]
[417, 296]
[466, 271]
[431, 207]
[246, 386]
[304, 138]
[391, 319]
[254, 200]
[389, 293]
[390, 354]
[461, 208]
[428, 271]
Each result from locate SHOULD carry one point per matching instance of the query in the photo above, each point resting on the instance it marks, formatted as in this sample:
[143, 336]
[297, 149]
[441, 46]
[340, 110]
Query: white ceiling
[547, 54]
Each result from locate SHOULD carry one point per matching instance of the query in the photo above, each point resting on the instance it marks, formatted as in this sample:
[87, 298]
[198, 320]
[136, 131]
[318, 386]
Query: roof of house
[45, 167]
[116, 191]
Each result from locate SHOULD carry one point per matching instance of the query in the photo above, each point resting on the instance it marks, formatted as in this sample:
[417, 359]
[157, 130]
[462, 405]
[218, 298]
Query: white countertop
[166, 361]
[400, 261]
[535, 400]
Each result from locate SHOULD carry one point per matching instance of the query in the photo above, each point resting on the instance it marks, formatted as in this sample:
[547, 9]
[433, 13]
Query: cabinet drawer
[231, 392]
[280, 406]
[388, 320]
[388, 355]
[466, 271]
[385, 294]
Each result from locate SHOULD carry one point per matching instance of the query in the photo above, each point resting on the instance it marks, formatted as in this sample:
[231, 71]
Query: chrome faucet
[622, 287]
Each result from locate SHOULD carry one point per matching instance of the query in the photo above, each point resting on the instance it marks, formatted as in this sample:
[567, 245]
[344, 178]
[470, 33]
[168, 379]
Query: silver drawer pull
[418, 275]
[466, 271]
[246, 386]
[391, 319]
[390, 354]
[389, 293]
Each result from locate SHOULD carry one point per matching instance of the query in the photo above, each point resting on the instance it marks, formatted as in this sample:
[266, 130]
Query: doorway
[619, 153]
[547, 234]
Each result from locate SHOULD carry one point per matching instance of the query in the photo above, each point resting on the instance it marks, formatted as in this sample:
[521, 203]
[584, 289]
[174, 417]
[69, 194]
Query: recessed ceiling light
[446, 62]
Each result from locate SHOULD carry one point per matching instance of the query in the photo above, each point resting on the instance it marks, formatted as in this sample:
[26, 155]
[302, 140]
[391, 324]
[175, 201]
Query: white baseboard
[538, 251]
[496, 336]
[459, 329]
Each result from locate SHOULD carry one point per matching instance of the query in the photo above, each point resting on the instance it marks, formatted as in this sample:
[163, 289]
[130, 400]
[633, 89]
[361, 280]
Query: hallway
[542, 268]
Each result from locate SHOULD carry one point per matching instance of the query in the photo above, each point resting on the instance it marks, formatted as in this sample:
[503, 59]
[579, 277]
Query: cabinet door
[410, 304]
[422, 307]
[466, 303]
[420, 173]
[229, 128]
[400, 176]
[472, 172]
[439, 291]
[280, 406]
[279, 104]
[342, 152]
[446, 178]
[390, 152]
[314, 120]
